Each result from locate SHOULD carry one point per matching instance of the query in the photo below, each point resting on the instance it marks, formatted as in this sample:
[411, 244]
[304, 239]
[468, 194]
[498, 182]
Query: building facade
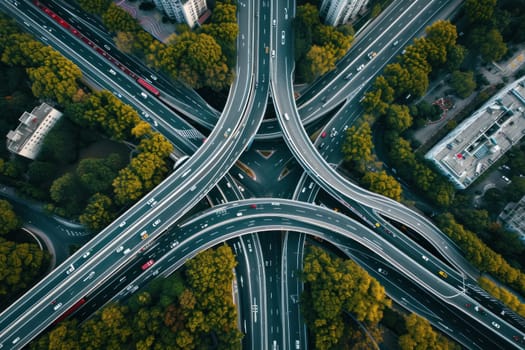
[27, 139]
[184, 11]
[337, 12]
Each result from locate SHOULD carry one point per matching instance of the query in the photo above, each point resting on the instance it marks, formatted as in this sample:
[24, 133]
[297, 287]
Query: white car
[174, 244]
[496, 325]
[360, 68]
[57, 306]
[119, 249]
[70, 269]
[239, 214]
[424, 257]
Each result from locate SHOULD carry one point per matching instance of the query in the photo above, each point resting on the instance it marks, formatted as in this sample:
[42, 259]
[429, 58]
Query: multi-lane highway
[264, 63]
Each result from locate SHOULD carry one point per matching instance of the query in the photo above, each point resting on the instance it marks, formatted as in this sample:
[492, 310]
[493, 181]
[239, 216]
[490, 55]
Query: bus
[71, 310]
[148, 86]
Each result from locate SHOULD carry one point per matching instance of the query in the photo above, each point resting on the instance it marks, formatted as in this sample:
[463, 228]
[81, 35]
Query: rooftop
[474, 145]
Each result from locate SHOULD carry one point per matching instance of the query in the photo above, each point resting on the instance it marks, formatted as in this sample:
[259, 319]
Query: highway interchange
[267, 285]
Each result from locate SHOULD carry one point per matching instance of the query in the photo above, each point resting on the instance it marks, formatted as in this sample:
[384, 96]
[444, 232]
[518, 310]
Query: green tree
[8, 219]
[20, 265]
[493, 48]
[97, 213]
[463, 82]
[357, 146]
[382, 183]
[127, 187]
[320, 60]
[479, 11]
[398, 118]
[420, 335]
[95, 174]
[97, 7]
[117, 19]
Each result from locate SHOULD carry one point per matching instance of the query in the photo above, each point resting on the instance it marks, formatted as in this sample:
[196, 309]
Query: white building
[191, 12]
[28, 137]
[337, 12]
[480, 140]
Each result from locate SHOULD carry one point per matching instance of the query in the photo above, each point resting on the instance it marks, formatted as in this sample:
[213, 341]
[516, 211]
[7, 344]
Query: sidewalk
[151, 20]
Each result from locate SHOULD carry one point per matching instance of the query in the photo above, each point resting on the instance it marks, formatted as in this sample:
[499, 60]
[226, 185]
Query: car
[304, 189]
[321, 145]
[204, 225]
[506, 179]
[70, 269]
[240, 176]
[333, 132]
[467, 305]
[371, 55]
[323, 134]
[143, 94]
[297, 345]
[144, 235]
[153, 77]
[345, 128]
[286, 116]
[282, 37]
[227, 132]
[273, 53]
[360, 68]
[147, 264]
[253, 206]
[310, 185]
[86, 254]
[228, 185]
[174, 244]
[274, 22]
[119, 249]
[382, 271]
[349, 75]
[395, 43]
[112, 72]
[239, 214]
[424, 257]
[377, 224]
[442, 274]
[496, 325]
[17, 339]
[156, 223]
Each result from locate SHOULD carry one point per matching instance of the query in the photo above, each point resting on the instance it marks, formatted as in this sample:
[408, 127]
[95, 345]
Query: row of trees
[317, 46]
[503, 294]
[480, 255]
[189, 310]
[334, 288]
[20, 263]
[420, 335]
[201, 58]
